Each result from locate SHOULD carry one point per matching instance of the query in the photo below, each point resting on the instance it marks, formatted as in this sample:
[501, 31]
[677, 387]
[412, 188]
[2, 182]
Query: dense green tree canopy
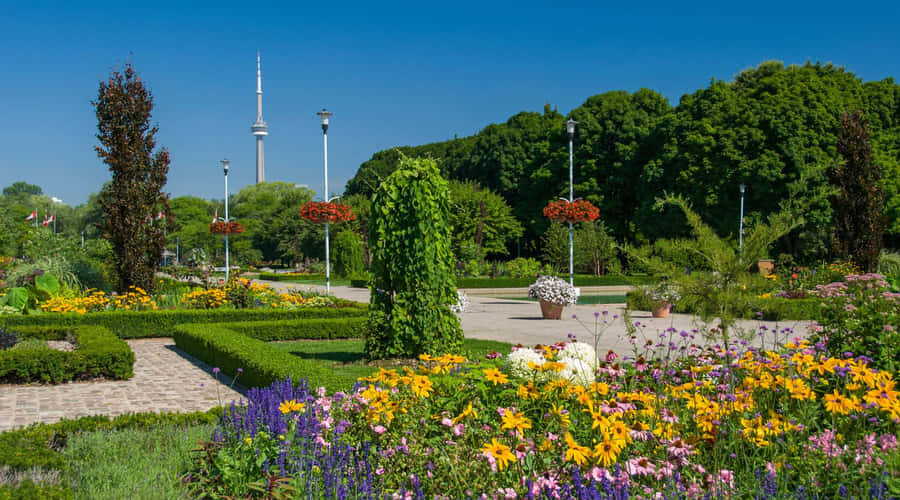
[773, 128]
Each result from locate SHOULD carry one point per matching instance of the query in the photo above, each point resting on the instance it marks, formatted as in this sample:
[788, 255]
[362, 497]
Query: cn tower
[259, 128]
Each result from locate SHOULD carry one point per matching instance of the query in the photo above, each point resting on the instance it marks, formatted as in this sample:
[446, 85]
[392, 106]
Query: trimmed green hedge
[261, 363]
[580, 280]
[295, 277]
[98, 353]
[142, 324]
[772, 309]
[325, 328]
[37, 444]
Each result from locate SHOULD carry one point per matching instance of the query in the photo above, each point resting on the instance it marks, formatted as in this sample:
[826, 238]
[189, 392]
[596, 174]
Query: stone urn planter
[662, 310]
[549, 310]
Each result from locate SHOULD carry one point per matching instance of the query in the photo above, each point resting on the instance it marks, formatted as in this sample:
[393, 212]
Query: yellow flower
[421, 385]
[469, 411]
[500, 452]
[562, 415]
[575, 452]
[607, 451]
[292, 405]
[496, 376]
[517, 421]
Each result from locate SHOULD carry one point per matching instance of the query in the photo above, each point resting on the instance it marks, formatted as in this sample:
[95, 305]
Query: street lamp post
[743, 188]
[324, 114]
[225, 163]
[570, 128]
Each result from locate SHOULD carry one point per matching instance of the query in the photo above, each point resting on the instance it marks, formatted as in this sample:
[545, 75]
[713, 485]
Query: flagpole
[54, 222]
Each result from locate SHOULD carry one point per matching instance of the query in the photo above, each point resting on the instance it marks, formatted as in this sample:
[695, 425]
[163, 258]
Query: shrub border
[98, 353]
[261, 363]
[145, 324]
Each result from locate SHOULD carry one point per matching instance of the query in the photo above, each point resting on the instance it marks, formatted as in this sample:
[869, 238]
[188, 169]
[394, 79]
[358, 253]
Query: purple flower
[240, 370]
[216, 370]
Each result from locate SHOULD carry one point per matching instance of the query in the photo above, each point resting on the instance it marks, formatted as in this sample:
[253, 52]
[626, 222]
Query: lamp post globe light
[742, 187]
[570, 129]
[324, 114]
[225, 163]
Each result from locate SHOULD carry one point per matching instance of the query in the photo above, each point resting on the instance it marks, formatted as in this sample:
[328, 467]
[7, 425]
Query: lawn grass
[348, 356]
[584, 299]
[138, 464]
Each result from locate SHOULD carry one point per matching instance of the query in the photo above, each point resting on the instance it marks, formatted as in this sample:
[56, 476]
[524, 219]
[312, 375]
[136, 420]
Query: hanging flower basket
[321, 212]
[577, 211]
[226, 228]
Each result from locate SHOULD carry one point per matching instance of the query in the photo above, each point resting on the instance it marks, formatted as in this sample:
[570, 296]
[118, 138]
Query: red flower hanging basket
[226, 228]
[321, 212]
[577, 211]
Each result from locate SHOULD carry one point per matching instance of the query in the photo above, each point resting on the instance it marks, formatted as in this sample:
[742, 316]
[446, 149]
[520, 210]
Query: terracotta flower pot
[765, 266]
[662, 311]
[549, 310]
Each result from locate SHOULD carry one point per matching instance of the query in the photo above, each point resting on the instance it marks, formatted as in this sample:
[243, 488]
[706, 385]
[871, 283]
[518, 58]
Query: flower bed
[98, 353]
[713, 422]
[142, 324]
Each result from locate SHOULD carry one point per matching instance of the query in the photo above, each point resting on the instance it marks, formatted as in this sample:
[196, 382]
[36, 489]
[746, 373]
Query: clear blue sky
[393, 74]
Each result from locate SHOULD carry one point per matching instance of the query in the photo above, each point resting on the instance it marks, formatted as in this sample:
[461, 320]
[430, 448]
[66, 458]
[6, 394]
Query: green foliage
[859, 204]
[523, 268]
[348, 254]
[37, 445]
[580, 280]
[17, 297]
[594, 249]
[889, 264]
[483, 217]
[861, 318]
[555, 246]
[98, 353]
[412, 288]
[29, 490]
[773, 127]
[721, 293]
[772, 309]
[127, 143]
[292, 277]
[143, 324]
[310, 328]
[103, 464]
[261, 363]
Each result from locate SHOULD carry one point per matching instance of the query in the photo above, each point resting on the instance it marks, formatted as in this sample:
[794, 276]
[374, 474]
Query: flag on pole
[160, 215]
[149, 218]
[48, 220]
[32, 215]
[216, 216]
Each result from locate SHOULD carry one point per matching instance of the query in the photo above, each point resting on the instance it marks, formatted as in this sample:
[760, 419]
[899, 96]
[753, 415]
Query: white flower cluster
[517, 362]
[462, 302]
[578, 371]
[553, 289]
[580, 351]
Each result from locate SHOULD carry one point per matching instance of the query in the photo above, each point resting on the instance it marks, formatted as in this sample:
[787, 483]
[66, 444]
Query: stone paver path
[165, 379]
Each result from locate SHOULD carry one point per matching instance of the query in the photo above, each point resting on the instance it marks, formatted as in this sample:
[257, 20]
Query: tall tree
[859, 205]
[412, 287]
[128, 146]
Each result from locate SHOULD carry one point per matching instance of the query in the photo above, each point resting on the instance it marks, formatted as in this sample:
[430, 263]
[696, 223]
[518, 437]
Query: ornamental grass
[707, 422]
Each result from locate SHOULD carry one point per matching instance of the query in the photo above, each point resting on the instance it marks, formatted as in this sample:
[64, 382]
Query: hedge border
[318, 328]
[98, 353]
[261, 363]
[145, 324]
[295, 277]
[580, 280]
[772, 309]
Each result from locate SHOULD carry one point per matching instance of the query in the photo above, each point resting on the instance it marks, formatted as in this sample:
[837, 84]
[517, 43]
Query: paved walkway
[165, 379]
[519, 322]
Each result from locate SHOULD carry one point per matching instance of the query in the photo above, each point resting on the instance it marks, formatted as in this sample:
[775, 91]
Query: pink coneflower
[640, 466]
[668, 416]
[458, 430]
[379, 429]
[680, 449]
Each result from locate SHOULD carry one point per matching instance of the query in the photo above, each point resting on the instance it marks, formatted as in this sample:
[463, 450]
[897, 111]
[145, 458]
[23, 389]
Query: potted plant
[554, 294]
[662, 297]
